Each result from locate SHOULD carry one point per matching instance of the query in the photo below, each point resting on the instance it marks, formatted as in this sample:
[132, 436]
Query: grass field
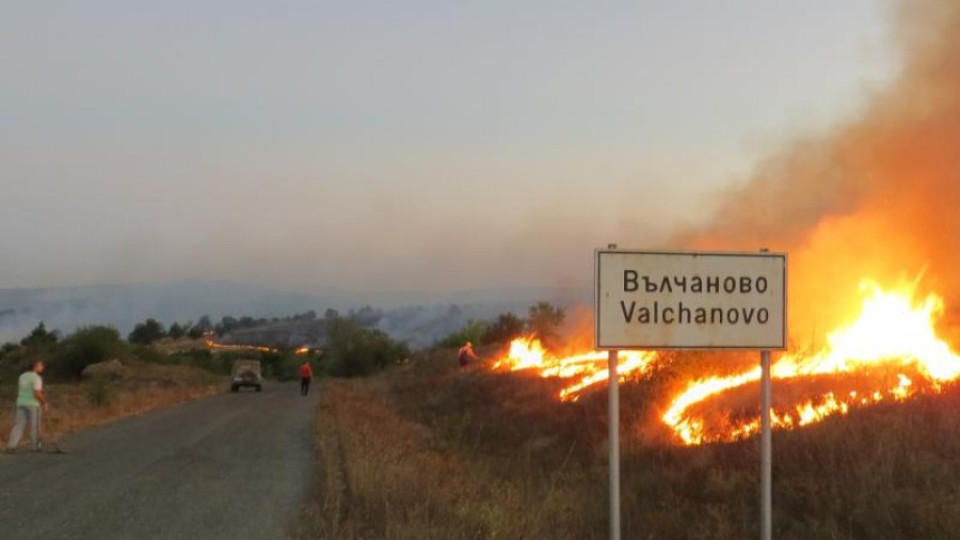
[77, 406]
[426, 450]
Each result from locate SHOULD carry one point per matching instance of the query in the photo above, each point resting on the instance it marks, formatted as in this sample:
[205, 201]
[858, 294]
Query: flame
[585, 370]
[214, 345]
[892, 333]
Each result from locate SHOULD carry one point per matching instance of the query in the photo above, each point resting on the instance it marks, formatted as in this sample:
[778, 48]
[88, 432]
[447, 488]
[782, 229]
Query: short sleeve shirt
[26, 385]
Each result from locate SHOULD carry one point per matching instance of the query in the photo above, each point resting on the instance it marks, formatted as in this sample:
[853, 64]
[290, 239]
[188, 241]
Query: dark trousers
[304, 386]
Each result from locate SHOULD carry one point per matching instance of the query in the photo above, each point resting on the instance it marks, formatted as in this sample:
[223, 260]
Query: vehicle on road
[246, 373]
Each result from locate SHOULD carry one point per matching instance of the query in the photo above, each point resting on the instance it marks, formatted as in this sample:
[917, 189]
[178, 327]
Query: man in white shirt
[30, 399]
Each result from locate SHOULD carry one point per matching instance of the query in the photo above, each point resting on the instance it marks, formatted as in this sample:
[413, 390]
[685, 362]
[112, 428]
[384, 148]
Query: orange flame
[214, 345]
[893, 331]
[586, 370]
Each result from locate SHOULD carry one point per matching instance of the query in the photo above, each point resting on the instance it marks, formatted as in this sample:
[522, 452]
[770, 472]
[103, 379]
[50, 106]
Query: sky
[381, 145]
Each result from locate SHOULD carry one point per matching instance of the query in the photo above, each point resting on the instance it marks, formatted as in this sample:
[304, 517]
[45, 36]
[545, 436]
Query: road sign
[690, 300]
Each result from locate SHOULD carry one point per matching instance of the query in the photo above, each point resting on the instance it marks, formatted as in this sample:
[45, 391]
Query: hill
[420, 318]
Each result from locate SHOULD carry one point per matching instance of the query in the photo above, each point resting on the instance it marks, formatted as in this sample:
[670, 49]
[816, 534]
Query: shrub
[506, 328]
[147, 332]
[353, 350]
[544, 320]
[40, 337]
[473, 331]
[88, 345]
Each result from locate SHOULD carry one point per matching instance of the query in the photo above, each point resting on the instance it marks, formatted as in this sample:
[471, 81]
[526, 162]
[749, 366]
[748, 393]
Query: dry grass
[78, 406]
[385, 474]
[428, 451]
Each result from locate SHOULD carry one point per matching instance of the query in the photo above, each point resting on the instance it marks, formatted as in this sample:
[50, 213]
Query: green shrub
[353, 350]
[473, 331]
[88, 345]
[544, 319]
[506, 328]
[147, 332]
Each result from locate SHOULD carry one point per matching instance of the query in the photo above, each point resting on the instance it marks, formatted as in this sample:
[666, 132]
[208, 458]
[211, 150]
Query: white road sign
[690, 300]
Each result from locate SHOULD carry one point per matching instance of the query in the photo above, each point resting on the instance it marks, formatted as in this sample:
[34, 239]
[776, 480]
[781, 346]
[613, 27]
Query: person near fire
[466, 354]
[30, 401]
[306, 375]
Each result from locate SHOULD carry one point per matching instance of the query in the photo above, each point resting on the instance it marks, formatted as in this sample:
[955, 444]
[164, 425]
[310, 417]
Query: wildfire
[584, 370]
[214, 345]
[891, 347]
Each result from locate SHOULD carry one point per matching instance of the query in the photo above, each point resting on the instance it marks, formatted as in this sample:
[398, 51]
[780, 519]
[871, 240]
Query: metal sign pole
[766, 447]
[766, 458]
[614, 446]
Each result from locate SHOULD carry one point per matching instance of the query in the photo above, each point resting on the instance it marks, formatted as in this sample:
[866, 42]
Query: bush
[473, 331]
[88, 345]
[353, 350]
[147, 332]
[219, 364]
[506, 328]
[545, 320]
[40, 337]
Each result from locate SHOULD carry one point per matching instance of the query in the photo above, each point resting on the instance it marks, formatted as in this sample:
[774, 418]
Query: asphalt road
[232, 466]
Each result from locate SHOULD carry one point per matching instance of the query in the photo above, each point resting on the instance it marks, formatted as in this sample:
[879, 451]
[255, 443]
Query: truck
[246, 373]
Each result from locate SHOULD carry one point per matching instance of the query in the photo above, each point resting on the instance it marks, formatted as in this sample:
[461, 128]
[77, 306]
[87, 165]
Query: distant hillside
[123, 306]
[420, 318]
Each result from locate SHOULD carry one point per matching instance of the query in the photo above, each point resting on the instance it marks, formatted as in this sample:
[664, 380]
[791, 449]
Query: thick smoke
[877, 197]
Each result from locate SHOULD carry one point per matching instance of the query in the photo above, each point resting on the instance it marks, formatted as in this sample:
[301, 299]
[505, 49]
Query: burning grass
[429, 451]
[78, 406]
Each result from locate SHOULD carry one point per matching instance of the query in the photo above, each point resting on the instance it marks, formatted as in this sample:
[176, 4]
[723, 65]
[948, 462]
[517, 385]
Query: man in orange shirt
[306, 375]
[466, 355]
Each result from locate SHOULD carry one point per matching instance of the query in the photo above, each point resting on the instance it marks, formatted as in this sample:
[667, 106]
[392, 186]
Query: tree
[176, 331]
[506, 328]
[204, 323]
[40, 337]
[331, 314]
[147, 332]
[227, 323]
[544, 319]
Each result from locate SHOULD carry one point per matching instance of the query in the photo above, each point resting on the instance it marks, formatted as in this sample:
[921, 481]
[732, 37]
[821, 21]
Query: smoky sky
[429, 145]
[876, 196]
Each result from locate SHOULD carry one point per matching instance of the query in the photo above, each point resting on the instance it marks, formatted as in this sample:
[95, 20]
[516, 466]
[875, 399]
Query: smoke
[876, 197]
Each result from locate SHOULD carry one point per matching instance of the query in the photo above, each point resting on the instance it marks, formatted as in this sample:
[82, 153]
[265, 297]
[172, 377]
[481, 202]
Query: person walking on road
[466, 354]
[306, 375]
[30, 400]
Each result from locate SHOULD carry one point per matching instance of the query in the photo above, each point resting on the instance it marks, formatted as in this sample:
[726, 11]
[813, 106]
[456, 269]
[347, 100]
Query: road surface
[232, 466]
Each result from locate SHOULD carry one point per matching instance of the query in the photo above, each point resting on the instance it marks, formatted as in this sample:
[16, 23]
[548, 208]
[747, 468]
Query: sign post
[766, 450]
[766, 447]
[614, 414]
[649, 300]
[614, 437]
